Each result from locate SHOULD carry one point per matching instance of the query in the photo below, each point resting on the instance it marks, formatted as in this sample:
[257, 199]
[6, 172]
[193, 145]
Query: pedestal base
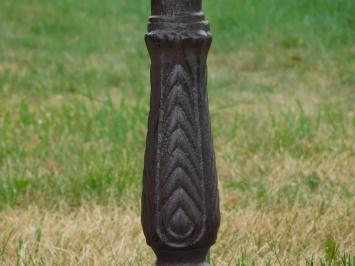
[193, 257]
[184, 264]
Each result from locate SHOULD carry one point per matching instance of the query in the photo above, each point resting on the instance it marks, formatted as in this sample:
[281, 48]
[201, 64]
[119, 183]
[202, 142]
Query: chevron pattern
[180, 175]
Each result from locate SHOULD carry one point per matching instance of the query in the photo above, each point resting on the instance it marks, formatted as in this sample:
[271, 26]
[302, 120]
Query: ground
[74, 97]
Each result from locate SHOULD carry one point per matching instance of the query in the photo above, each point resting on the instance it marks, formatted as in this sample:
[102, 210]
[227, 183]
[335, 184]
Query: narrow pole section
[180, 205]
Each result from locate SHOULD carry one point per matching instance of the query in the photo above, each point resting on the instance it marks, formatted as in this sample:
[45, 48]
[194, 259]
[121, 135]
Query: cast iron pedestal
[180, 206]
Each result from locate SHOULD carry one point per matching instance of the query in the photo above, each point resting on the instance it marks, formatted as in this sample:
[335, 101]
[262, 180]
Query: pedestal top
[175, 7]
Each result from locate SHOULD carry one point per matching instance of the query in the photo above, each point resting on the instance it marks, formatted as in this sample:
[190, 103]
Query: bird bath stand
[180, 205]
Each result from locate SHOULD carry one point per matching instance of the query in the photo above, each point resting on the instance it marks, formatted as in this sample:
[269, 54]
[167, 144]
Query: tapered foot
[182, 258]
[184, 264]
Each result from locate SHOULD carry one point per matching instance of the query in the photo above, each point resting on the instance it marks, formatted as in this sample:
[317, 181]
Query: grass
[74, 95]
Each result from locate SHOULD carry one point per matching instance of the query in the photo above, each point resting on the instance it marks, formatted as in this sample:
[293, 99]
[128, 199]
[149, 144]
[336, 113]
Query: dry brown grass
[90, 235]
[111, 235]
[281, 233]
[96, 235]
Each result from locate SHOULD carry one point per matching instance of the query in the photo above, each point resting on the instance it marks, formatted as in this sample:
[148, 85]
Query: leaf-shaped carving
[180, 174]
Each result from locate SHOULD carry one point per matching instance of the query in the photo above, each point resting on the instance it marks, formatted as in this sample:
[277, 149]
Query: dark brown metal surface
[180, 206]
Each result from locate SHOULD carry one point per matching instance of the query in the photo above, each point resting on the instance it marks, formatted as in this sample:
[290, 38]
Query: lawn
[74, 97]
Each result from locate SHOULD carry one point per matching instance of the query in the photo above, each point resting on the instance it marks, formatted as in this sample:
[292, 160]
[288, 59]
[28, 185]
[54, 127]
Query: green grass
[74, 97]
